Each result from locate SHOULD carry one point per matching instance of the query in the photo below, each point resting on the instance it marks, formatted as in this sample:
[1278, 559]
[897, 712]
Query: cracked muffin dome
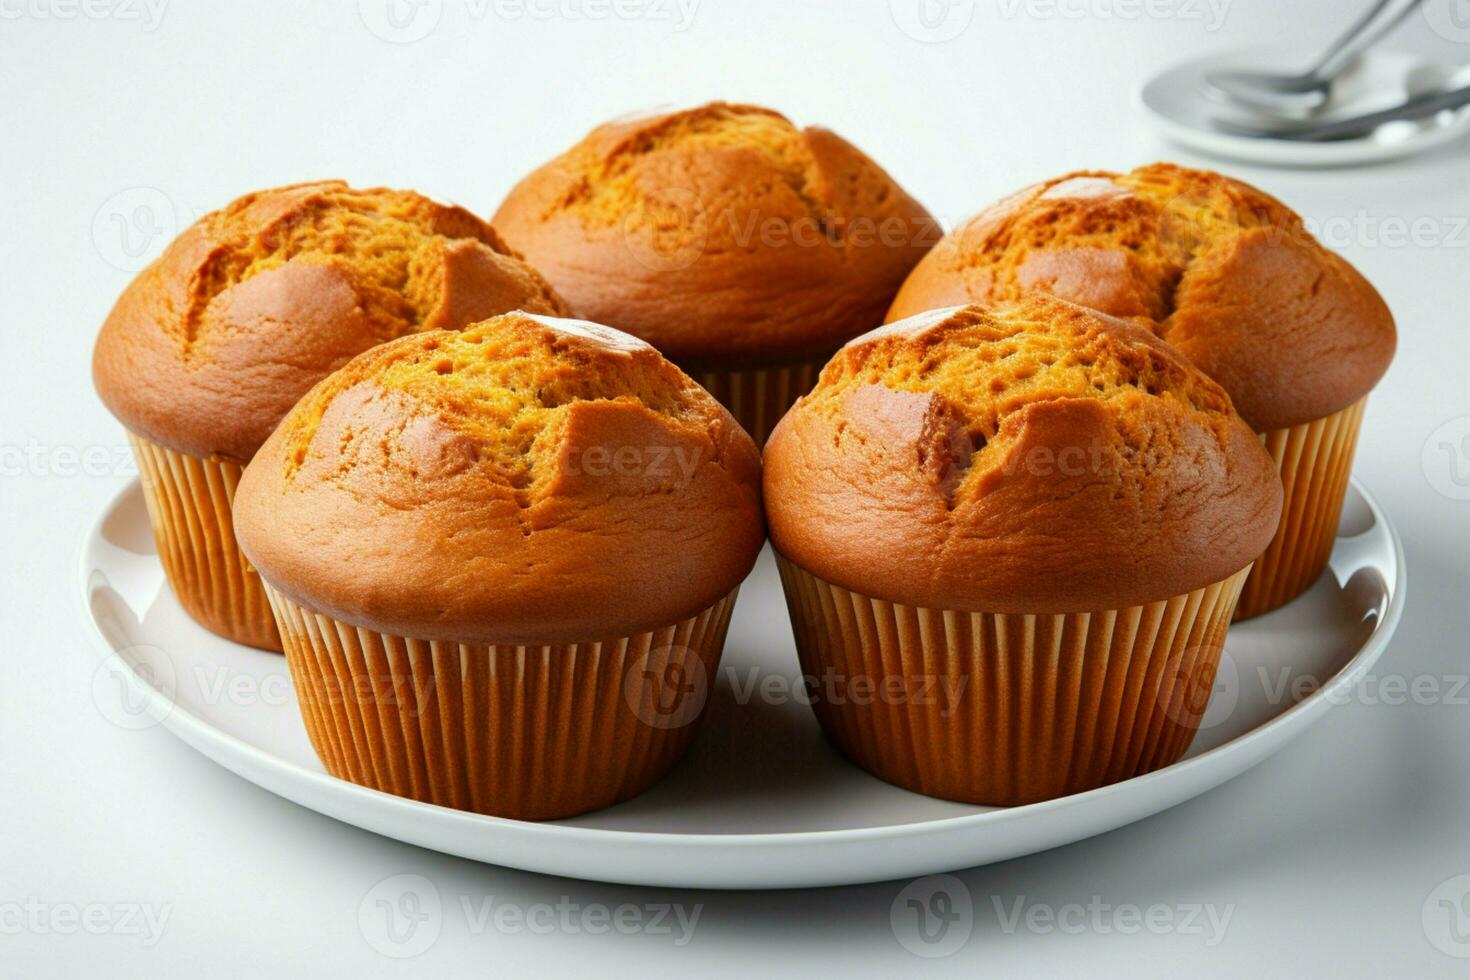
[1035, 458]
[724, 235]
[525, 480]
[253, 304]
[1226, 274]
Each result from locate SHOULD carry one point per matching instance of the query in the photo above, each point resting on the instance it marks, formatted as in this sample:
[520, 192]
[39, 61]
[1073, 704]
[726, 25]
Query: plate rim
[1295, 153]
[182, 723]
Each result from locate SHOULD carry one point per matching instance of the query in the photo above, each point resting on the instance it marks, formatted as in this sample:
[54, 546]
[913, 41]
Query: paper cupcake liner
[759, 397]
[1315, 460]
[189, 500]
[1004, 709]
[529, 732]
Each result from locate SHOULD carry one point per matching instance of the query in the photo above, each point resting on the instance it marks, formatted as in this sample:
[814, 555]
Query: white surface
[820, 822]
[1184, 106]
[1328, 855]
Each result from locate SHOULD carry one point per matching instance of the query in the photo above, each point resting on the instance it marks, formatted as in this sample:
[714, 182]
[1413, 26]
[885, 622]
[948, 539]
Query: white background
[1325, 855]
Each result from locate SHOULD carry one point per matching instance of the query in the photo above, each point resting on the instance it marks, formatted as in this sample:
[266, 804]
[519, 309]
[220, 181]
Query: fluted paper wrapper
[759, 397]
[1004, 709]
[1315, 460]
[189, 500]
[528, 732]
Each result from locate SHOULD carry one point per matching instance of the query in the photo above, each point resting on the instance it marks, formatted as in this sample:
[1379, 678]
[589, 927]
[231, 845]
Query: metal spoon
[1310, 89]
[1416, 107]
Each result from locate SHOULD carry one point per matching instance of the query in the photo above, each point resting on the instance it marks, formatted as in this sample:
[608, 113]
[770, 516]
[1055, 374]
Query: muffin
[503, 561]
[745, 249]
[213, 343]
[1230, 277]
[1011, 541]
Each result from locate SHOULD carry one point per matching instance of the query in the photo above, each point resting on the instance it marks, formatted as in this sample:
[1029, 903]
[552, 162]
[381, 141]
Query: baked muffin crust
[724, 235]
[1224, 272]
[250, 306]
[525, 480]
[1039, 458]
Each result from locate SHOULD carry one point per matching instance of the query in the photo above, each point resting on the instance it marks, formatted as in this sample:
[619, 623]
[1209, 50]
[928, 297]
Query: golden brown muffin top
[524, 480]
[722, 234]
[253, 304]
[1037, 457]
[1224, 272]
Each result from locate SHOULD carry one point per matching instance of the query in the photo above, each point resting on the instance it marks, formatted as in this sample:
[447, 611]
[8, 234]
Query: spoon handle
[1364, 33]
[1415, 108]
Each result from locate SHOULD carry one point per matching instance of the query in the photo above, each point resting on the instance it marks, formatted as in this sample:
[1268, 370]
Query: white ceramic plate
[761, 801]
[1181, 104]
